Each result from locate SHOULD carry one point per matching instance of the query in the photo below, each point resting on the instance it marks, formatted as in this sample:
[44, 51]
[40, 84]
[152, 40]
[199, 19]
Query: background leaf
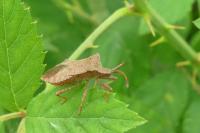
[12, 125]
[46, 114]
[8, 126]
[191, 119]
[21, 55]
[197, 23]
[162, 100]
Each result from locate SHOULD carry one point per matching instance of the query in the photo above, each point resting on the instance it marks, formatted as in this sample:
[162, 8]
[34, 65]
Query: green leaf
[11, 126]
[161, 62]
[21, 55]
[2, 130]
[46, 114]
[192, 117]
[162, 101]
[99, 9]
[179, 8]
[197, 23]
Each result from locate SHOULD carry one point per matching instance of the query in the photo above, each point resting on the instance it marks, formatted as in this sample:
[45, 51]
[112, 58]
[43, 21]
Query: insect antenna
[115, 70]
[118, 66]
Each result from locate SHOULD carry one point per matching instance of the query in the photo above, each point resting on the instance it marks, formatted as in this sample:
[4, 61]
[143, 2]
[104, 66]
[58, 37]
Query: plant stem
[164, 29]
[89, 42]
[21, 127]
[12, 116]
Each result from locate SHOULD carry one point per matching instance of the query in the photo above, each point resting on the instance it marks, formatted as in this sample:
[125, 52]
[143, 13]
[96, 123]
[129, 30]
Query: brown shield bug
[74, 71]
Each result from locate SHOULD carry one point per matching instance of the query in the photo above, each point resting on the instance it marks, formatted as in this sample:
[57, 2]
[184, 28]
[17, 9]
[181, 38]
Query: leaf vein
[12, 11]
[24, 86]
[19, 30]
[82, 127]
[26, 58]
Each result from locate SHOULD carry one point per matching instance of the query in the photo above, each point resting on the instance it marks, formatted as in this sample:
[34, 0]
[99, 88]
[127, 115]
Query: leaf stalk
[12, 116]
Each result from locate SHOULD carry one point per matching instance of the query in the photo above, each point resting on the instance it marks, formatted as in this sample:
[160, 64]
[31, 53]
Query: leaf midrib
[94, 118]
[8, 59]
[78, 118]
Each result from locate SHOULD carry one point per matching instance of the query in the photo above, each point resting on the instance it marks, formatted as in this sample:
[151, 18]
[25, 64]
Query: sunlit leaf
[162, 101]
[197, 23]
[46, 114]
[21, 55]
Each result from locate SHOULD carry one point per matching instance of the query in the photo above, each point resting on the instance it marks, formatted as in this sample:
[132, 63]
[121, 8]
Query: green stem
[21, 127]
[89, 42]
[12, 116]
[163, 27]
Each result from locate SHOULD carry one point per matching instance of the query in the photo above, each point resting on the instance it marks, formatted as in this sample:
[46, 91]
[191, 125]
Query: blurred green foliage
[158, 91]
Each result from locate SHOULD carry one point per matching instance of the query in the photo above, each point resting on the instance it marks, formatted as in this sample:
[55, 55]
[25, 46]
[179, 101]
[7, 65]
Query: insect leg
[118, 66]
[111, 78]
[124, 75]
[60, 92]
[96, 82]
[85, 91]
[107, 87]
[108, 90]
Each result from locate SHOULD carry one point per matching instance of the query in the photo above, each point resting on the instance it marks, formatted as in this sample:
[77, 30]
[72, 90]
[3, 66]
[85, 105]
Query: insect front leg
[60, 92]
[108, 89]
[124, 75]
[111, 78]
[106, 85]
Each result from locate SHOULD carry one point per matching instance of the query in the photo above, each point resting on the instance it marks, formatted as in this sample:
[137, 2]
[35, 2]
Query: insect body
[74, 71]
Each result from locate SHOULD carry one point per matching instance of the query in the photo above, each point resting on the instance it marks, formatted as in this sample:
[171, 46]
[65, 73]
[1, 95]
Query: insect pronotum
[74, 71]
